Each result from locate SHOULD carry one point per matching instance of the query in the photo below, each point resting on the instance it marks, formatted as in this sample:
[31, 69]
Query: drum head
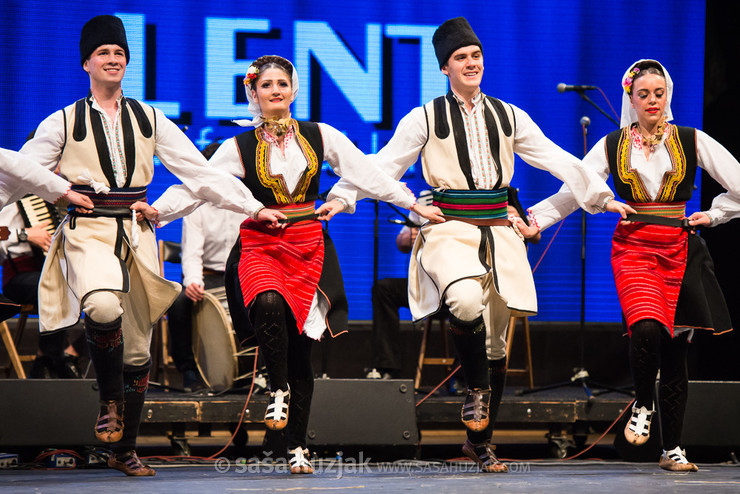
[214, 346]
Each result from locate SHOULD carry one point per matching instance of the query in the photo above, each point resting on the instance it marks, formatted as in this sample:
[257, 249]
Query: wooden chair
[446, 360]
[168, 252]
[527, 370]
[12, 342]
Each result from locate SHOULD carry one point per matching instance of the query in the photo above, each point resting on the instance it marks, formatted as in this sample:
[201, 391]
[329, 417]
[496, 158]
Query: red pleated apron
[649, 262]
[288, 261]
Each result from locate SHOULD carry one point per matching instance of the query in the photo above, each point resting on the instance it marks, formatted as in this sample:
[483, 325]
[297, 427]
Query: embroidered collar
[271, 139]
[639, 141]
[476, 99]
[99, 108]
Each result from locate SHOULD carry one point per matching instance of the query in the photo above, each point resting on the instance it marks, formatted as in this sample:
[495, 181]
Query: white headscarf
[629, 115]
[254, 108]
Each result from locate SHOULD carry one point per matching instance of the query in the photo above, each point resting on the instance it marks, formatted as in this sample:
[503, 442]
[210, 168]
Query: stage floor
[407, 476]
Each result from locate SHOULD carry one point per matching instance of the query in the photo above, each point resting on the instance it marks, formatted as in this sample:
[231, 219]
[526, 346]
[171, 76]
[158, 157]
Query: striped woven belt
[116, 198]
[305, 211]
[472, 204]
[668, 214]
[117, 203]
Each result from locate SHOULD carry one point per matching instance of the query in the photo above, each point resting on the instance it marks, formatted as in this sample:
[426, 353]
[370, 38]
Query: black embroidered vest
[270, 189]
[677, 184]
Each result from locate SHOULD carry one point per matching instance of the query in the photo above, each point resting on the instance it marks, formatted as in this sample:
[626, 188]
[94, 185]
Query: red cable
[548, 246]
[439, 385]
[608, 102]
[236, 429]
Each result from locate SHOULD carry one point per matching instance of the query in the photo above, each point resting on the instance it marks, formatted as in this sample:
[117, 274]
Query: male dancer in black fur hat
[475, 263]
[105, 264]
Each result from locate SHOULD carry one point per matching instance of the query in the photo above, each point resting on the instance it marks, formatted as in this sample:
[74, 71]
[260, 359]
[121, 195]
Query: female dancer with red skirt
[288, 272]
[662, 269]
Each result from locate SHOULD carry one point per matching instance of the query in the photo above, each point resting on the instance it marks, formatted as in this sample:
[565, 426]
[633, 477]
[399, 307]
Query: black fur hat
[452, 35]
[102, 30]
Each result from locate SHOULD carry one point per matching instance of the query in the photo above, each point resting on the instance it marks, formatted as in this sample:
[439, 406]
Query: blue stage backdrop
[363, 65]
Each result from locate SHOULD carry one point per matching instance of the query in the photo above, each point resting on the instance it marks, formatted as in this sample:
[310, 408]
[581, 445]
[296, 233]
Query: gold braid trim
[673, 178]
[299, 194]
[266, 178]
[627, 174]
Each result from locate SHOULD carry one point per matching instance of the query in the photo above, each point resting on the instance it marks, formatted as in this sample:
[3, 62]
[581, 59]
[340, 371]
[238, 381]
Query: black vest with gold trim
[445, 158]
[86, 143]
[677, 184]
[270, 189]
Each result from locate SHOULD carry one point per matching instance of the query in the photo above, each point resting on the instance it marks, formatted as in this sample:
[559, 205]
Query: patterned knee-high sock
[300, 377]
[136, 382]
[105, 343]
[645, 360]
[470, 341]
[674, 388]
[268, 312]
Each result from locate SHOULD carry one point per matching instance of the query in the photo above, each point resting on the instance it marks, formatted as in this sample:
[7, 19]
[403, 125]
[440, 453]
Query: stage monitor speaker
[47, 412]
[712, 421]
[712, 414]
[363, 412]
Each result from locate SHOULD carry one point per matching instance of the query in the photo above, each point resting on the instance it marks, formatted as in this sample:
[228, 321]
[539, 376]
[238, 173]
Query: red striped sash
[649, 262]
[288, 261]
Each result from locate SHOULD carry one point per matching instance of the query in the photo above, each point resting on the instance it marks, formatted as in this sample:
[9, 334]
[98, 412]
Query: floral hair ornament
[629, 115]
[253, 108]
[627, 84]
[252, 73]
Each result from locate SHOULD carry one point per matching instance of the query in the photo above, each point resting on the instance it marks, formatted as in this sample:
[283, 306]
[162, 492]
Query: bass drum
[214, 341]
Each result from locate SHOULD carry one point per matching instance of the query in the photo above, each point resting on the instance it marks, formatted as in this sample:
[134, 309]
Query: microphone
[585, 121]
[405, 222]
[562, 87]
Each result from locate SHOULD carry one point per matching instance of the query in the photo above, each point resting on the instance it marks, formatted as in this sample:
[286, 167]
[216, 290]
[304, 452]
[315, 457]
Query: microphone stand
[581, 376]
[582, 94]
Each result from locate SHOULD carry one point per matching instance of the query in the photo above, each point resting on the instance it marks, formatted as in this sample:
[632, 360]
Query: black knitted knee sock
[105, 343]
[269, 321]
[136, 381]
[470, 342]
[300, 377]
[673, 389]
[645, 360]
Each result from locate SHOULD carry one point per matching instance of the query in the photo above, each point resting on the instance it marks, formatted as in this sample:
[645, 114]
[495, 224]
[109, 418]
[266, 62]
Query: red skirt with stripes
[649, 262]
[288, 261]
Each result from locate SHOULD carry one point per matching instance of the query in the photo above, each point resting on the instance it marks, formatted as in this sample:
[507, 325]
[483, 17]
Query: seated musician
[207, 237]
[22, 260]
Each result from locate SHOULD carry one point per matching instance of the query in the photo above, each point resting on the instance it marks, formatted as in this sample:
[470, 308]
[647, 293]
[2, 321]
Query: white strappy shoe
[276, 415]
[675, 461]
[298, 461]
[637, 431]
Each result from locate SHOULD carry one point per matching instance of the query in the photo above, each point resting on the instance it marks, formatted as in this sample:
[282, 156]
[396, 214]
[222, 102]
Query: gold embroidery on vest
[673, 178]
[299, 194]
[627, 174]
[274, 182]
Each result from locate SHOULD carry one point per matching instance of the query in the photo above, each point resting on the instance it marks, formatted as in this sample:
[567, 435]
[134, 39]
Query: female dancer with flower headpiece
[288, 271]
[663, 272]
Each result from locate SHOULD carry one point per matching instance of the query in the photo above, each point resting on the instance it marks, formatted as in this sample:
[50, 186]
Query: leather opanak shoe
[276, 415]
[675, 461]
[483, 455]
[475, 409]
[637, 430]
[299, 462]
[109, 426]
[130, 464]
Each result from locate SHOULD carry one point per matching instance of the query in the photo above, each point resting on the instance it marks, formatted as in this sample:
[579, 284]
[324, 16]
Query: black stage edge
[350, 412]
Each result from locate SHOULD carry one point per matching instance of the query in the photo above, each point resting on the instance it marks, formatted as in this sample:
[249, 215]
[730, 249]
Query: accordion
[35, 210]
